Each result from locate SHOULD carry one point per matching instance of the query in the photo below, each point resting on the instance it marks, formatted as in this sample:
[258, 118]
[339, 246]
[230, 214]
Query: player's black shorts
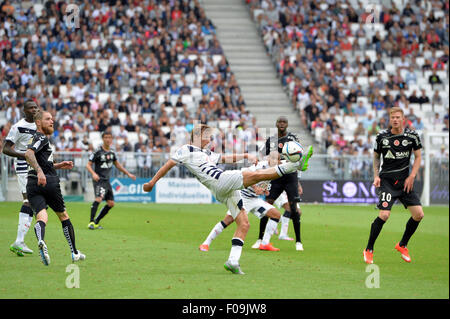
[391, 190]
[103, 189]
[288, 183]
[42, 197]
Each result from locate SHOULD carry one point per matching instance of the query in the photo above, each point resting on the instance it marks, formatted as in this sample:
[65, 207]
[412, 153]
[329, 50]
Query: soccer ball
[292, 151]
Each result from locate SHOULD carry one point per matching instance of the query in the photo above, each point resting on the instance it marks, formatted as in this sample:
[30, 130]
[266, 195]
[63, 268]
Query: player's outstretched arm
[31, 159]
[63, 165]
[237, 157]
[160, 174]
[8, 149]
[123, 170]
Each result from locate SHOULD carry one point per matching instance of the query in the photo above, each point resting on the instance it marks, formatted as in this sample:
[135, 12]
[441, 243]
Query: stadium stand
[147, 70]
[343, 69]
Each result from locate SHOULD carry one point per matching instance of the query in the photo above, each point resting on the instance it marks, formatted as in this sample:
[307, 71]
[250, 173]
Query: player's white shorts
[281, 200]
[256, 206]
[22, 180]
[226, 191]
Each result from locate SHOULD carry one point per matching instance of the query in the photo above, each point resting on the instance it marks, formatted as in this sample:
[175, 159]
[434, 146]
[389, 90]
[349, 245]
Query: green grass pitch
[151, 251]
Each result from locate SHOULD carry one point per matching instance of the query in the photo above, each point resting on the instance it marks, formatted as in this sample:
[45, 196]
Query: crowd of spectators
[148, 70]
[344, 69]
[144, 70]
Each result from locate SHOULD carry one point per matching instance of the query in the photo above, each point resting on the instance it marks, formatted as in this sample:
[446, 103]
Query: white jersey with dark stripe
[249, 192]
[202, 163]
[21, 134]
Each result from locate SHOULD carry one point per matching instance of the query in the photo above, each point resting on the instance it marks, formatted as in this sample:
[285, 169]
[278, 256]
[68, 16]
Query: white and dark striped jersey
[202, 163]
[249, 192]
[21, 134]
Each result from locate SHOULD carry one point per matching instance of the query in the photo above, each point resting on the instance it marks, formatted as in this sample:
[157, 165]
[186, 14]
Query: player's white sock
[284, 226]
[216, 231]
[270, 228]
[236, 250]
[23, 227]
[286, 168]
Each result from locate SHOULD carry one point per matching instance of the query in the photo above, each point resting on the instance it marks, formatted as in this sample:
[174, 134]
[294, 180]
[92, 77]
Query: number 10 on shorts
[386, 198]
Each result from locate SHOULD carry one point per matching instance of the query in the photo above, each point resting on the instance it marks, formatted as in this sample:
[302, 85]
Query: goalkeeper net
[435, 162]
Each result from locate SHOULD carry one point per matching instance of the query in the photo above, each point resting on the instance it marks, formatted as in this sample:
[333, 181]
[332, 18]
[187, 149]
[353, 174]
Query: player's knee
[110, 204]
[98, 199]
[418, 216]
[63, 216]
[228, 220]
[384, 214]
[244, 225]
[42, 216]
[274, 213]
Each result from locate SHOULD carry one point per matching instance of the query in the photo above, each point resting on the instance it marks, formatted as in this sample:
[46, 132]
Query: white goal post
[433, 142]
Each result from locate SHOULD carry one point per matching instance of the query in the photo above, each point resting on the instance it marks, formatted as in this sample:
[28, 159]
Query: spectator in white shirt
[411, 77]
[302, 98]
[78, 92]
[13, 114]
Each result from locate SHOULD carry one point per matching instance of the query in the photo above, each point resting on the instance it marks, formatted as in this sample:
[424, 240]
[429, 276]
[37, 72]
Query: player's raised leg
[216, 231]
[252, 178]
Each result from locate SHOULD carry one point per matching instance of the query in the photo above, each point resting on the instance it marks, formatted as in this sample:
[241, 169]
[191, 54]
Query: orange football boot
[268, 247]
[368, 256]
[404, 252]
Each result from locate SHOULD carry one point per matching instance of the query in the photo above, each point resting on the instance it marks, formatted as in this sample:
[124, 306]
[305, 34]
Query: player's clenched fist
[376, 181]
[148, 187]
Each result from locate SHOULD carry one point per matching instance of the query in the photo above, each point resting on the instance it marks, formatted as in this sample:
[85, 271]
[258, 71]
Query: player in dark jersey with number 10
[395, 181]
[103, 159]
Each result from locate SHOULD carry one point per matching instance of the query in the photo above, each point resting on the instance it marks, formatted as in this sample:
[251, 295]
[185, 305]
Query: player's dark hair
[28, 104]
[106, 133]
[282, 118]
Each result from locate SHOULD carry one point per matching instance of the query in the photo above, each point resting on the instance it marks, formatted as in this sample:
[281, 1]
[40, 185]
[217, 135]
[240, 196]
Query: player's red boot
[268, 247]
[368, 256]
[204, 247]
[404, 252]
